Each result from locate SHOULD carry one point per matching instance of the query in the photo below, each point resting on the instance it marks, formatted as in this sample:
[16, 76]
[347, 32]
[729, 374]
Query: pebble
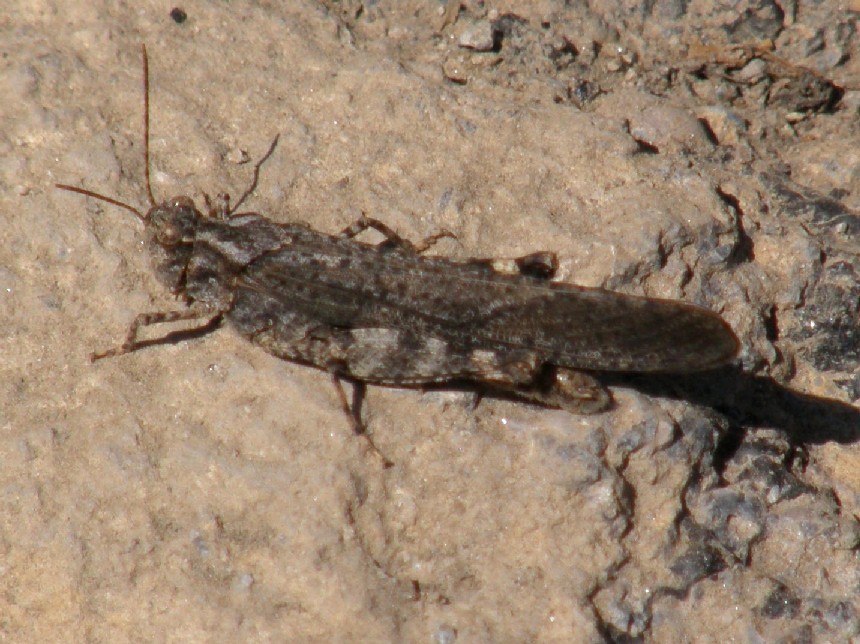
[480, 36]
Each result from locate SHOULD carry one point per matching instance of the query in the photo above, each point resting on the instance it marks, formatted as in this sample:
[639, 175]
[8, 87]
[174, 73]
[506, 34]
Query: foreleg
[132, 343]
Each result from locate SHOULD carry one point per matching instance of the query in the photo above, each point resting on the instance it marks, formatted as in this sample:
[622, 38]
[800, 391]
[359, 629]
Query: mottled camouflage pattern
[385, 314]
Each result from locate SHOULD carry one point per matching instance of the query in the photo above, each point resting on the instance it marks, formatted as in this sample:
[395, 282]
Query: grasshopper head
[171, 229]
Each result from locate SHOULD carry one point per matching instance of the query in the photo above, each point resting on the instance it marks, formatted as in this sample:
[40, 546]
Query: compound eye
[169, 235]
[182, 202]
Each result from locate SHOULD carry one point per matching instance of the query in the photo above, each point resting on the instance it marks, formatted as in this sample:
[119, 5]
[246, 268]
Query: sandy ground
[207, 491]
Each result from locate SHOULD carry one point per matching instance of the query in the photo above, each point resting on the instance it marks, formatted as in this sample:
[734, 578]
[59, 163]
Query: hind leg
[571, 390]
[392, 239]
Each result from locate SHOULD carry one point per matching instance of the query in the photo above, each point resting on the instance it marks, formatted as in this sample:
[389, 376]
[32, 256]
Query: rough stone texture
[204, 490]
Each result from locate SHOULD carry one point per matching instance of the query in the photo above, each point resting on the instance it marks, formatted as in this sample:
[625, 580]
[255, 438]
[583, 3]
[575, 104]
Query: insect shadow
[751, 401]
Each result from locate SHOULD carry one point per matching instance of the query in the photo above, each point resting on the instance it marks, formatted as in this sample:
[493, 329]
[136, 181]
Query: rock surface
[206, 491]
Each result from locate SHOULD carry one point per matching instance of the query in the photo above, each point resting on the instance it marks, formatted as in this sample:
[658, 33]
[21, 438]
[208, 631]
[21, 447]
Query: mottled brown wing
[607, 331]
[470, 306]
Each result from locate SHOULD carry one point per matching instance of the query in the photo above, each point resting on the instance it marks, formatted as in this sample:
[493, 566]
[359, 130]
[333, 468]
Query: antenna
[111, 200]
[146, 122]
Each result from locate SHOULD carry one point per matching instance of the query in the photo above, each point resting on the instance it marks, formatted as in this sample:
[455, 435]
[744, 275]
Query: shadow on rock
[756, 401]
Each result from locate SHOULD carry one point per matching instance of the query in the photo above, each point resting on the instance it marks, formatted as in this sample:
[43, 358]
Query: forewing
[468, 306]
[601, 330]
